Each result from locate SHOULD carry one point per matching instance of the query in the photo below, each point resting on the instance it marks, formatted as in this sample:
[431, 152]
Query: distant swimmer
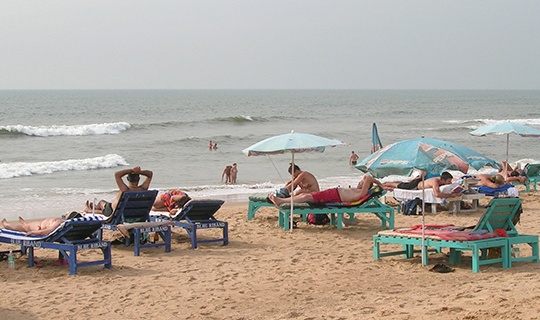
[210, 146]
[215, 146]
[353, 159]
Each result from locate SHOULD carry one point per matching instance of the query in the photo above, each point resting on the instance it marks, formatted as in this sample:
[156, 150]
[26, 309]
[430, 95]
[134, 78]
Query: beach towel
[508, 189]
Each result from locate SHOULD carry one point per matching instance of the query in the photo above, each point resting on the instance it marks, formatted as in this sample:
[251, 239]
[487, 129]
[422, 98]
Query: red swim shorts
[326, 196]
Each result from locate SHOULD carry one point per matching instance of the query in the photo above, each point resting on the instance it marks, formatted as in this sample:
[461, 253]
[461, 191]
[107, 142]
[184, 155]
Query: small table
[455, 202]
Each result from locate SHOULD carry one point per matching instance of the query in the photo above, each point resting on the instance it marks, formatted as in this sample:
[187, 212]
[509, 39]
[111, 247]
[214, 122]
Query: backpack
[318, 219]
[411, 207]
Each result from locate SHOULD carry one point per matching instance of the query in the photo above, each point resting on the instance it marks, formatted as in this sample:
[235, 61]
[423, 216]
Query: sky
[270, 44]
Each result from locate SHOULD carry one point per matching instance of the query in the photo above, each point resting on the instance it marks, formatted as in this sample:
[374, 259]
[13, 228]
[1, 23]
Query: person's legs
[303, 197]
[8, 226]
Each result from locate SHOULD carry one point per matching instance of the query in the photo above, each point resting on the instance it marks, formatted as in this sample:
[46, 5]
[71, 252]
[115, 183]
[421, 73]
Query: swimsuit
[326, 196]
[107, 210]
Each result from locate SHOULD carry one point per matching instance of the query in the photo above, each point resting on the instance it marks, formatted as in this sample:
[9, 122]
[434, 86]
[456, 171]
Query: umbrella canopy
[506, 128]
[294, 143]
[430, 155]
[376, 143]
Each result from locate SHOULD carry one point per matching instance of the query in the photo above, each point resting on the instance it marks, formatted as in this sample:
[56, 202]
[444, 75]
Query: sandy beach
[315, 272]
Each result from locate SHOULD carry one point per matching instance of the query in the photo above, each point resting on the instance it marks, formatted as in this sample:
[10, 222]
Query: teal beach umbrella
[506, 128]
[291, 143]
[429, 155]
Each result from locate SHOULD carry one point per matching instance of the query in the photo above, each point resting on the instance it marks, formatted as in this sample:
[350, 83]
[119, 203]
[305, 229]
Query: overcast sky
[274, 44]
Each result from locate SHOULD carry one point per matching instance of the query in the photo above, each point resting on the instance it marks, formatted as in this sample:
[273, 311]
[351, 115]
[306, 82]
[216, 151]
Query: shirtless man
[36, 228]
[133, 177]
[353, 159]
[332, 195]
[303, 179]
[226, 174]
[436, 182]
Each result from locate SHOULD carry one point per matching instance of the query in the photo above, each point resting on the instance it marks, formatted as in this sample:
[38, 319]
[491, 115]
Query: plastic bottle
[11, 260]
[515, 251]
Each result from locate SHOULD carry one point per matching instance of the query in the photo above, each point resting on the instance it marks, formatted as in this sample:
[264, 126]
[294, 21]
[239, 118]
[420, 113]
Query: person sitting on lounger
[133, 177]
[36, 228]
[334, 195]
[302, 179]
[436, 182]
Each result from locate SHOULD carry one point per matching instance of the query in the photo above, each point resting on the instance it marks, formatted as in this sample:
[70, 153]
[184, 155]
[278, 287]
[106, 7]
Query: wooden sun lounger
[498, 215]
[371, 205]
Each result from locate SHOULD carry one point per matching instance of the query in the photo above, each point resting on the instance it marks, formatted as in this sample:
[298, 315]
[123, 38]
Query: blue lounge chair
[498, 215]
[370, 204]
[199, 215]
[134, 208]
[68, 238]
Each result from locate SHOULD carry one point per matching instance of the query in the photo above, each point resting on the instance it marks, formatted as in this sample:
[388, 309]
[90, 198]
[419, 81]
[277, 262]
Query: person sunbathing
[435, 183]
[302, 179]
[492, 181]
[37, 228]
[332, 195]
[133, 176]
[171, 201]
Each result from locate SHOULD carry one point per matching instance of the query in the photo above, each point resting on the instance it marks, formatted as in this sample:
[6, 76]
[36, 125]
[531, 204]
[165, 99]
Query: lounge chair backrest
[134, 206]
[499, 215]
[199, 210]
[79, 229]
[532, 170]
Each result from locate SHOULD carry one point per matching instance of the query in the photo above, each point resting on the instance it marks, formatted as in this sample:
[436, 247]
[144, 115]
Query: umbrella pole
[423, 251]
[292, 193]
[506, 164]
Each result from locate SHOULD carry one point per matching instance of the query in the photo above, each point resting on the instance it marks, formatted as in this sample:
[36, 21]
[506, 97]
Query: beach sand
[315, 272]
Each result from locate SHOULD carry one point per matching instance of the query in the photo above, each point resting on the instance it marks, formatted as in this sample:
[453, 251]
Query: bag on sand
[411, 207]
[318, 219]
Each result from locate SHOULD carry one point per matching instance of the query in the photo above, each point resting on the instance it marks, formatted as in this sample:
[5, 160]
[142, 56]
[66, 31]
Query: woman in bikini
[37, 228]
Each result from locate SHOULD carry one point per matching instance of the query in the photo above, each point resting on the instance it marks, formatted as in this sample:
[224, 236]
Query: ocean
[61, 148]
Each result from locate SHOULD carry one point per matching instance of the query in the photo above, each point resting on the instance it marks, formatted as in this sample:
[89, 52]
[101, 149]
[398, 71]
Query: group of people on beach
[229, 174]
[171, 201]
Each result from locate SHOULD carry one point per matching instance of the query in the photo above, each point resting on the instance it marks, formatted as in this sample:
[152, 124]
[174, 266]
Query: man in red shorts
[333, 195]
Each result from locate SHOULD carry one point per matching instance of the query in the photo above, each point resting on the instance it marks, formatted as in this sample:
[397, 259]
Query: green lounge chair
[532, 173]
[370, 204]
[498, 215]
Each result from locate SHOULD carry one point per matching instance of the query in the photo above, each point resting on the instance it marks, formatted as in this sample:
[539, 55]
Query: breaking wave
[71, 130]
[21, 169]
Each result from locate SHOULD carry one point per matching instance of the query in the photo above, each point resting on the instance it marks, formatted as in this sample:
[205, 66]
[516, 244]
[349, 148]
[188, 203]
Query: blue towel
[492, 192]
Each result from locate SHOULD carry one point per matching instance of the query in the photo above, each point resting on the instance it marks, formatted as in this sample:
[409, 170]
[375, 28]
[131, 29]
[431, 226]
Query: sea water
[61, 148]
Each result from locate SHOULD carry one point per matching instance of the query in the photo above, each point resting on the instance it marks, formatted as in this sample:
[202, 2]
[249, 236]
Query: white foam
[19, 169]
[71, 130]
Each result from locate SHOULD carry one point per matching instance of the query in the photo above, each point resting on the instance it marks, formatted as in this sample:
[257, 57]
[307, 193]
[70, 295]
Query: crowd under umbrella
[292, 143]
[506, 128]
[429, 155]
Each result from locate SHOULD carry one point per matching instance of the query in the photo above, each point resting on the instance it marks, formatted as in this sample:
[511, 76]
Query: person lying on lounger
[334, 195]
[133, 177]
[171, 201]
[492, 181]
[37, 228]
[302, 179]
[436, 182]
